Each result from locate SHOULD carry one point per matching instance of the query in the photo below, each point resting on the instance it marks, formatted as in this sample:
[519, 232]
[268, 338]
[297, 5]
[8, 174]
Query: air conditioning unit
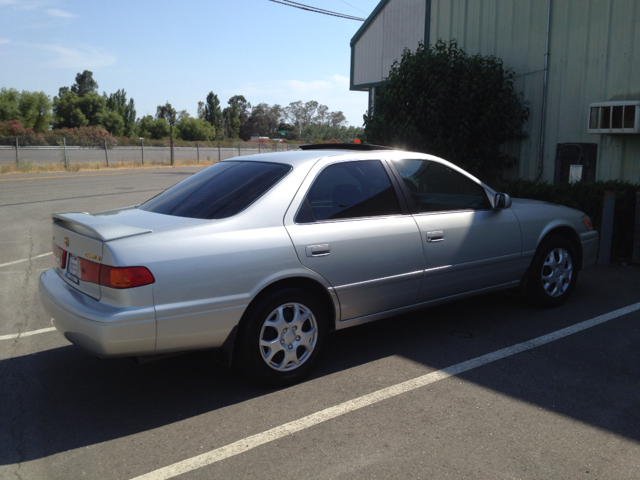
[614, 117]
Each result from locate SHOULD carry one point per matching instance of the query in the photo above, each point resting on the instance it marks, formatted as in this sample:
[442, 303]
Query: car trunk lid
[78, 244]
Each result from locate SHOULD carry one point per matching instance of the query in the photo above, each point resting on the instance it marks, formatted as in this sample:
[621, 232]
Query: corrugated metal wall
[594, 56]
[399, 25]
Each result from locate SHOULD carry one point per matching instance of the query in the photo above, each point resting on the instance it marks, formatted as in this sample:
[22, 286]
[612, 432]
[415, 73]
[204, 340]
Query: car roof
[298, 158]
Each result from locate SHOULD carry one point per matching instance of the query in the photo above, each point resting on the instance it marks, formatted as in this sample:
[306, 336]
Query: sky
[179, 51]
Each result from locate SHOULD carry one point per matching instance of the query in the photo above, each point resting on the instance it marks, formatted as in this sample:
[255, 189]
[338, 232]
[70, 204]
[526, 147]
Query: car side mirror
[501, 201]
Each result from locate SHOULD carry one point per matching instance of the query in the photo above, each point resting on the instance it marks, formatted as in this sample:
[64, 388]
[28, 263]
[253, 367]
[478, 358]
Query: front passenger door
[468, 246]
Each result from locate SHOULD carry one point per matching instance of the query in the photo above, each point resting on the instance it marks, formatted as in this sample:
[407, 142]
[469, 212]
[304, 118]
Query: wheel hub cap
[288, 337]
[557, 271]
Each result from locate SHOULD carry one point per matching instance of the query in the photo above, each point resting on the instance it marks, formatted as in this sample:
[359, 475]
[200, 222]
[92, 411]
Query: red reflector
[89, 271]
[125, 277]
[60, 255]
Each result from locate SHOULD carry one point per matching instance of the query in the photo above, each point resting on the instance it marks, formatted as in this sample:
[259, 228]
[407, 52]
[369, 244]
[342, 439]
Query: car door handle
[435, 236]
[317, 250]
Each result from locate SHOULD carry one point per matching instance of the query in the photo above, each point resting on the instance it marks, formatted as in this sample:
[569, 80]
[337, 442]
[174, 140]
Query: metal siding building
[594, 56]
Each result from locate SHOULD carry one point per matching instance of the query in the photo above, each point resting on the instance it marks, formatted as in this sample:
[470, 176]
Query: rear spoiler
[95, 227]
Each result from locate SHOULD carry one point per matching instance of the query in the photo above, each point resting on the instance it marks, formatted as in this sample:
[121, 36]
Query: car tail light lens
[89, 271]
[60, 255]
[587, 222]
[115, 277]
[125, 277]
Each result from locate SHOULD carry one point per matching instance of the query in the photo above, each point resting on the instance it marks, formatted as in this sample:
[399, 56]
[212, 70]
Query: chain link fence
[44, 149]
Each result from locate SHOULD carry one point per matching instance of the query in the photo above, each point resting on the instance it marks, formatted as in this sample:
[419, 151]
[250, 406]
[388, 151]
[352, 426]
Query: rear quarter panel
[207, 274]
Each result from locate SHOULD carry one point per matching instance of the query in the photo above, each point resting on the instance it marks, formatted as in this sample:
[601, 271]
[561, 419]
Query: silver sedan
[261, 257]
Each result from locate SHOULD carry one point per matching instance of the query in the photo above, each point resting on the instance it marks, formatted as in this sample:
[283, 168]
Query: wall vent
[614, 117]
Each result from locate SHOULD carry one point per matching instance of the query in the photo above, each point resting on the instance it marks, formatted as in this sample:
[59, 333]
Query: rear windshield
[219, 191]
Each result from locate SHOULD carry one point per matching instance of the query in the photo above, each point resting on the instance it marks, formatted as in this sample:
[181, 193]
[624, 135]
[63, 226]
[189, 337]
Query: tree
[195, 129]
[117, 102]
[212, 112]
[243, 111]
[168, 113]
[84, 84]
[159, 128]
[32, 109]
[233, 122]
[114, 124]
[144, 126]
[72, 111]
[445, 102]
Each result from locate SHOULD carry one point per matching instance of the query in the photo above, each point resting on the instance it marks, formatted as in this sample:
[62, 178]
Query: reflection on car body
[262, 256]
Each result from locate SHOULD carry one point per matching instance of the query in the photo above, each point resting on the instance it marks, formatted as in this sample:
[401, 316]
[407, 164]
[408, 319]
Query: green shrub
[589, 198]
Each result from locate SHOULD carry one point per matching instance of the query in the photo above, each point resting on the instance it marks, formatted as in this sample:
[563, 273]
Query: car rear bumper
[101, 329]
[590, 242]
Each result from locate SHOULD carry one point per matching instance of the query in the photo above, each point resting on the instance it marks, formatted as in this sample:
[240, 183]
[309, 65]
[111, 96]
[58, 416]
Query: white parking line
[26, 334]
[25, 259]
[254, 441]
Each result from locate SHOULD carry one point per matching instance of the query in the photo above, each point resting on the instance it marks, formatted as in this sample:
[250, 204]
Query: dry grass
[25, 166]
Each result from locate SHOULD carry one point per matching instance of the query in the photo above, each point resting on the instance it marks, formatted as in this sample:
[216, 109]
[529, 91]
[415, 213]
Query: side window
[435, 187]
[349, 190]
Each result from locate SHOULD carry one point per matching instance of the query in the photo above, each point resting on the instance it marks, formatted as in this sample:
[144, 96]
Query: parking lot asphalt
[569, 408]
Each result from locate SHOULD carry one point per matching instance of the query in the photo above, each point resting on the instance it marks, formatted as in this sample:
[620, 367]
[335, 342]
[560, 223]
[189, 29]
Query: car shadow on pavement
[63, 399]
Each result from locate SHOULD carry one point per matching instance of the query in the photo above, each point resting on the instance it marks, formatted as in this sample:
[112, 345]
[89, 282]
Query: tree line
[80, 105]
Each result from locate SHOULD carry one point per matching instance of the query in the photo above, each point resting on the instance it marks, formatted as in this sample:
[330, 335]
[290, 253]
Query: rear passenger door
[347, 224]
[468, 245]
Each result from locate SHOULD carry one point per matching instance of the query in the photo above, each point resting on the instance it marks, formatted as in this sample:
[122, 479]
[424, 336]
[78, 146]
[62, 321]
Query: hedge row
[588, 197]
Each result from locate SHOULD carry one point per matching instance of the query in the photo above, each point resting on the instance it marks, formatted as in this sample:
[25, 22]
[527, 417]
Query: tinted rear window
[219, 191]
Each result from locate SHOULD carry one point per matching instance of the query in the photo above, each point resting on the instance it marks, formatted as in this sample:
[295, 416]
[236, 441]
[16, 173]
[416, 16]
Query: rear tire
[553, 272]
[281, 337]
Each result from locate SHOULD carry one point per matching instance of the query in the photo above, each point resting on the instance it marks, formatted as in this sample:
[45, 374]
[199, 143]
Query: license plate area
[73, 269]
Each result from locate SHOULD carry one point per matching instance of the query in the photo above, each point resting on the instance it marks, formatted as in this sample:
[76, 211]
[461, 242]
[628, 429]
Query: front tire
[553, 272]
[282, 336]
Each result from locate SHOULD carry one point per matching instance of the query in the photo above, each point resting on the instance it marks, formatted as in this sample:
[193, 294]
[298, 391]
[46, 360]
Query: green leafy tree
[195, 129]
[32, 109]
[159, 129]
[148, 127]
[233, 122]
[114, 124]
[445, 102]
[287, 131]
[258, 122]
[168, 113]
[9, 101]
[212, 112]
[242, 112]
[117, 102]
[84, 84]
[144, 126]
[72, 111]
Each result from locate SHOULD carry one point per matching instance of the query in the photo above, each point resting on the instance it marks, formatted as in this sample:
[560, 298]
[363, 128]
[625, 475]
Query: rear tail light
[587, 222]
[125, 277]
[89, 271]
[115, 277]
[60, 255]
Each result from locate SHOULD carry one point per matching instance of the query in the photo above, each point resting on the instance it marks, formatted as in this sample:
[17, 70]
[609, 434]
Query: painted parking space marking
[303, 423]
[25, 259]
[26, 334]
